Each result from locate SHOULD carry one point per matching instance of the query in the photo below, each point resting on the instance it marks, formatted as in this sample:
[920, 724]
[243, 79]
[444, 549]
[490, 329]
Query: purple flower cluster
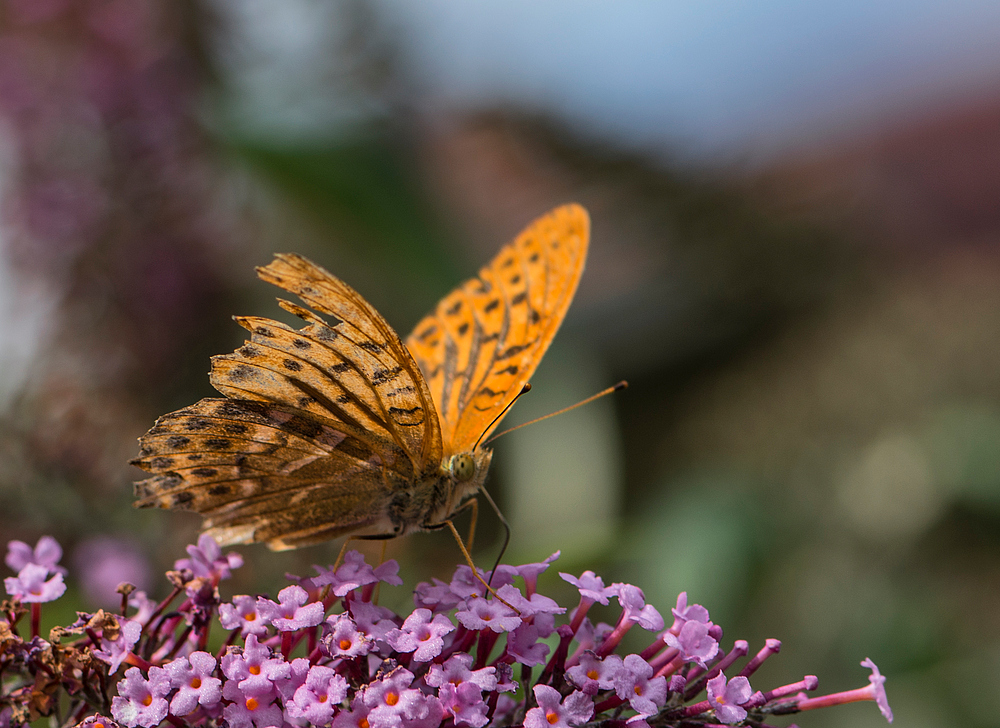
[326, 654]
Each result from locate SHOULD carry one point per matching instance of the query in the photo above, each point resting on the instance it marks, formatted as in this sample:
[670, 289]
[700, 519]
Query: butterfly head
[470, 467]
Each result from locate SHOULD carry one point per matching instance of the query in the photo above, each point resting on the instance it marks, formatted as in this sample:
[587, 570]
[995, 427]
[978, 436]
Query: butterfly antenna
[506, 532]
[617, 388]
[524, 390]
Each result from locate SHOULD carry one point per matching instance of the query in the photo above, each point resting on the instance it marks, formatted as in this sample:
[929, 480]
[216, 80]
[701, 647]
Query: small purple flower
[141, 701]
[144, 606]
[30, 585]
[296, 679]
[392, 701]
[694, 643]
[421, 634]
[242, 615]
[253, 667]
[530, 572]
[315, 701]
[726, 697]
[91, 721]
[465, 585]
[464, 703]
[47, 553]
[591, 587]
[207, 562]
[590, 636]
[524, 647]
[456, 670]
[683, 613]
[633, 683]
[373, 620]
[248, 707]
[438, 597]
[196, 685]
[356, 717]
[116, 651]
[292, 612]
[344, 639]
[355, 573]
[493, 614]
[633, 601]
[552, 712]
[877, 681]
[593, 674]
[536, 605]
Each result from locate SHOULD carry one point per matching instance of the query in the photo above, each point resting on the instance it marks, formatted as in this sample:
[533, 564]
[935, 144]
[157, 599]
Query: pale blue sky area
[711, 76]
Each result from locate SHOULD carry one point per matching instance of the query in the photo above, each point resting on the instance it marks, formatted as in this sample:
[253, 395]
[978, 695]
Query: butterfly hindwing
[484, 340]
[246, 465]
[323, 424]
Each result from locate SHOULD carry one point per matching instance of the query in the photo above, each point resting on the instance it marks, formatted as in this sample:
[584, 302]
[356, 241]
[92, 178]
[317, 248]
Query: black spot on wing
[463, 328]
[381, 376]
[519, 298]
[513, 350]
[292, 365]
[217, 443]
[177, 441]
[491, 305]
[241, 373]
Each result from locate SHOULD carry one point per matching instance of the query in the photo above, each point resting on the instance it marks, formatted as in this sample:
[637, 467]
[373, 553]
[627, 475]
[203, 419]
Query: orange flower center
[147, 700]
[196, 682]
[345, 644]
[252, 704]
[391, 698]
[592, 674]
[552, 718]
[255, 669]
[638, 690]
[363, 723]
[251, 617]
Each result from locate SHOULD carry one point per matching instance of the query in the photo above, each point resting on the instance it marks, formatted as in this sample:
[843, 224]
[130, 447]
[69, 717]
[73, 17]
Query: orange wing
[484, 340]
[322, 424]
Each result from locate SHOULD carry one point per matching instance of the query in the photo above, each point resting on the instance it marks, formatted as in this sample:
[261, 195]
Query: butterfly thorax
[435, 499]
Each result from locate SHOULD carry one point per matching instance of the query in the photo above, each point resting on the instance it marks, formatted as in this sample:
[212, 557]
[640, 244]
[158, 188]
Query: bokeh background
[795, 262]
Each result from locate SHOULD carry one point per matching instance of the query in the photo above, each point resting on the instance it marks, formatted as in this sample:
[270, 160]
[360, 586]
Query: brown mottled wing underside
[484, 340]
[321, 426]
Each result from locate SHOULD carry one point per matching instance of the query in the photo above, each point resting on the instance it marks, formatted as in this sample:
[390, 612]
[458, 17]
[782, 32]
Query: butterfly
[342, 428]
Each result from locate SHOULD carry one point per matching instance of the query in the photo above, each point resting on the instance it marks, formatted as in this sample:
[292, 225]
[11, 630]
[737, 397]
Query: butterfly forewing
[484, 340]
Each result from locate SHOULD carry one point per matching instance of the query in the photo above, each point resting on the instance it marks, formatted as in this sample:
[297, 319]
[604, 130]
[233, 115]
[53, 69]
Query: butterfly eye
[463, 467]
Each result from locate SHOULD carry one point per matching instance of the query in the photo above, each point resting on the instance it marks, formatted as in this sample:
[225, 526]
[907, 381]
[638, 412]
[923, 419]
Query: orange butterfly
[339, 427]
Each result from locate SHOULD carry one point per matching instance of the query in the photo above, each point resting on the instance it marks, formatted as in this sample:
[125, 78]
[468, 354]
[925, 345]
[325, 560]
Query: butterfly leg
[473, 505]
[468, 558]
